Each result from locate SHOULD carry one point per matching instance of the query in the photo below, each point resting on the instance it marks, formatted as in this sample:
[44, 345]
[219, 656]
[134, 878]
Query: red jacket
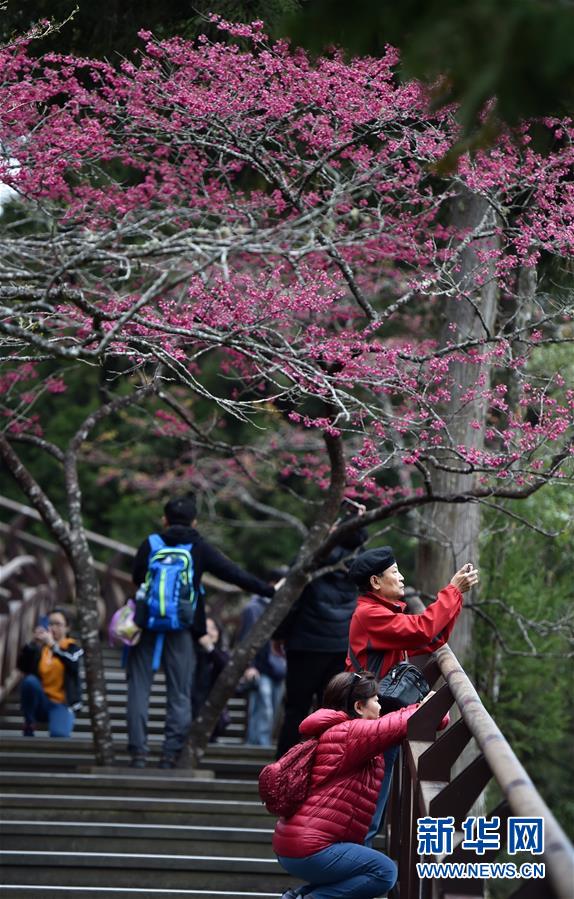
[347, 773]
[380, 633]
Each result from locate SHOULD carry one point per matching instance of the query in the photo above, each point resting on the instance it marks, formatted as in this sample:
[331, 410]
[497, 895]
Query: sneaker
[28, 730]
[138, 761]
[292, 894]
[167, 761]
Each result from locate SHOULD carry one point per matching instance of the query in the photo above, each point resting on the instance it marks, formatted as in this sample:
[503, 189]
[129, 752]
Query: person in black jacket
[315, 636]
[178, 655]
[212, 657]
[50, 690]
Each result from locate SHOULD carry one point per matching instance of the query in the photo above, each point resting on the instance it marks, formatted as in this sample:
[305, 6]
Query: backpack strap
[158, 649]
[354, 660]
[155, 543]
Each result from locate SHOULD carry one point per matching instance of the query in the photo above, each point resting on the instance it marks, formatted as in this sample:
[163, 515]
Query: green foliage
[530, 697]
[521, 51]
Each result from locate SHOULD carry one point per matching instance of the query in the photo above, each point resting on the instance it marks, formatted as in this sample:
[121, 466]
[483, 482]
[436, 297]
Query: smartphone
[44, 622]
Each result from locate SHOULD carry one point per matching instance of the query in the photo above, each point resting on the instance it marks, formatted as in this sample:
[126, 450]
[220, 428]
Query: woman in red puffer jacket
[322, 842]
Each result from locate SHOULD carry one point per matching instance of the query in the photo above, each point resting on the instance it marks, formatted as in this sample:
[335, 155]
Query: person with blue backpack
[171, 612]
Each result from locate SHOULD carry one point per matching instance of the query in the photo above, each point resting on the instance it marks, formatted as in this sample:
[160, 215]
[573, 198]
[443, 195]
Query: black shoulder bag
[403, 685]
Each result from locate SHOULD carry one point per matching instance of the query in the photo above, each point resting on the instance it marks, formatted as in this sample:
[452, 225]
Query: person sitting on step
[50, 690]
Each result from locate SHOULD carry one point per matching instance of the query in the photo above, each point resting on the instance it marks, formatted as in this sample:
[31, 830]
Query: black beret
[374, 561]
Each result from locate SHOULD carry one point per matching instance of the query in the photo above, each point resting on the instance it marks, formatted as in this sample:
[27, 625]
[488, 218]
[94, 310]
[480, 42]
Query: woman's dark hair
[344, 690]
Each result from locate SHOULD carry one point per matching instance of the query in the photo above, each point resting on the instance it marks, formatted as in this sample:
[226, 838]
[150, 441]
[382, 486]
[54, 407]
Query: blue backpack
[169, 594]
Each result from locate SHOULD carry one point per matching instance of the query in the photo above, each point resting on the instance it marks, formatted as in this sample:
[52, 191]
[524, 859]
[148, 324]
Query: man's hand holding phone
[465, 578]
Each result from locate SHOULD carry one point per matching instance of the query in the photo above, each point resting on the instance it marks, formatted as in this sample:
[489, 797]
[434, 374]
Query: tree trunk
[450, 531]
[87, 595]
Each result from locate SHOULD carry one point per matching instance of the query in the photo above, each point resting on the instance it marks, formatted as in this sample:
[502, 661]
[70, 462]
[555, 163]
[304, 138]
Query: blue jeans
[375, 825]
[343, 871]
[36, 706]
[262, 707]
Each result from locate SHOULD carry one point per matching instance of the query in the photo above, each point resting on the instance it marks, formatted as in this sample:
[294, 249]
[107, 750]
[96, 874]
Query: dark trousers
[308, 673]
[178, 663]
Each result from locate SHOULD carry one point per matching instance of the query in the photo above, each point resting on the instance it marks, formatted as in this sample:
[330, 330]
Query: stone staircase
[70, 827]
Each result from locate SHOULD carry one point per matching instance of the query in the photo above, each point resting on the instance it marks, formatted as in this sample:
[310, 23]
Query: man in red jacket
[381, 635]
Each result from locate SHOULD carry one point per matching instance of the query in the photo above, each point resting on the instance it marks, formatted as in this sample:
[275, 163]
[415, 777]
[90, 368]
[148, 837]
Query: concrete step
[224, 748]
[221, 750]
[224, 811]
[80, 836]
[210, 816]
[12, 727]
[143, 870]
[129, 783]
[82, 727]
[63, 764]
[69, 762]
[226, 759]
[117, 696]
[18, 891]
[71, 829]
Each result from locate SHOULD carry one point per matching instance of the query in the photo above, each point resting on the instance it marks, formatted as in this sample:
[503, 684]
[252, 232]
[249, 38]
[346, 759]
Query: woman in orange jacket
[50, 690]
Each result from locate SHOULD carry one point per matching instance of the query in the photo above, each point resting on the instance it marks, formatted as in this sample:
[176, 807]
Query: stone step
[80, 836]
[18, 891]
[211, 816]
[81, 762]
[79, 802]
[82, 726]
[156, 724]
[117, 696]
[81, 733]
[68, 759]
[130, 783]
[116, 706]
[78, 744]
[143, 870]
[72, 829]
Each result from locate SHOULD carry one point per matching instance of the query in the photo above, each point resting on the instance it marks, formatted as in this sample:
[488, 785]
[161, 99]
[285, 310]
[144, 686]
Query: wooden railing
[17, 622]
[424, 785]
[37, 576]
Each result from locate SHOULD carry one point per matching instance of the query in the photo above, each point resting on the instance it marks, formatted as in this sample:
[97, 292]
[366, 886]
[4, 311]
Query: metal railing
[425, 786]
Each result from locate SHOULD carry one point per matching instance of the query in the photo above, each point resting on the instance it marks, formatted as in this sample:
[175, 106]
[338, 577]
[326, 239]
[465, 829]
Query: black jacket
[29, 659]
[319, 620]
[205, 558]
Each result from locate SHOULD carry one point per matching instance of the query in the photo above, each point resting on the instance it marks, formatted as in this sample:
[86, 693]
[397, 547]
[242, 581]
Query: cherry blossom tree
[280, 240]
